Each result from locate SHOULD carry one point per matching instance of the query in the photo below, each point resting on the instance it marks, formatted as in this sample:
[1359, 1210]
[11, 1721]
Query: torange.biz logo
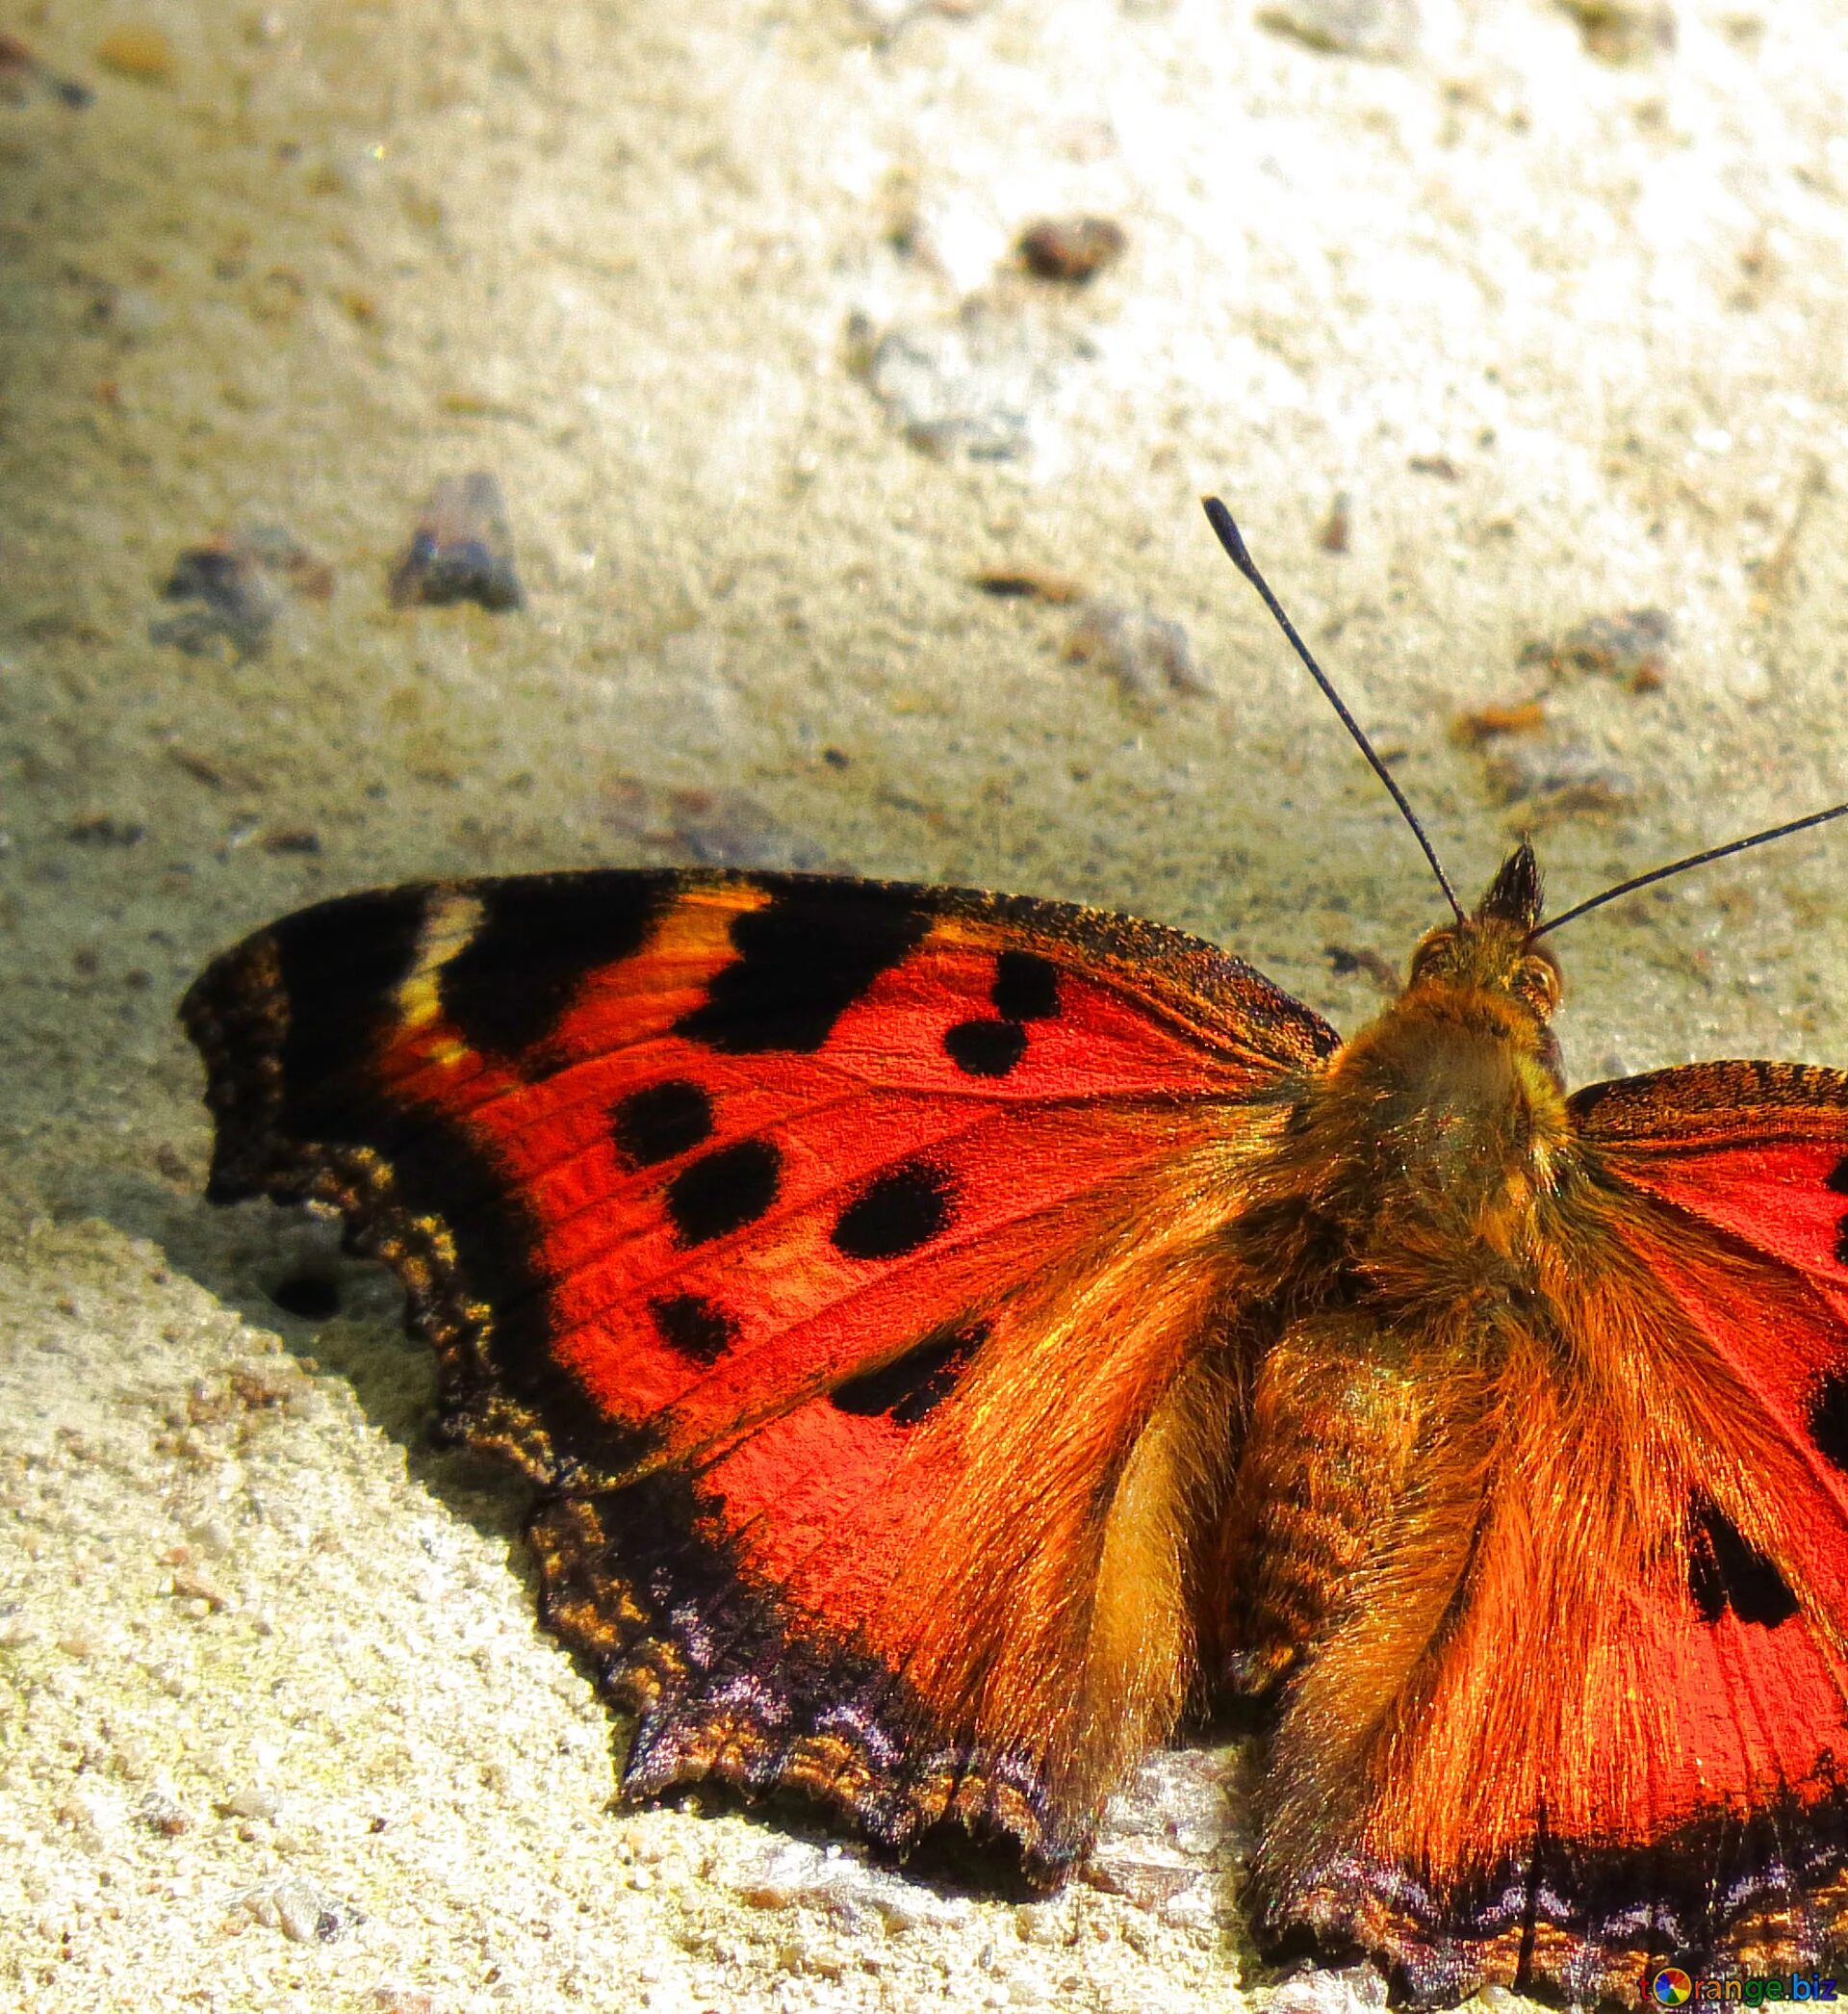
[1669, 1986]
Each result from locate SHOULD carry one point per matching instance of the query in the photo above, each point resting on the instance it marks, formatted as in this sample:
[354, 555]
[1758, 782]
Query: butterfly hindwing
[839, 1258]
[1604, 1645]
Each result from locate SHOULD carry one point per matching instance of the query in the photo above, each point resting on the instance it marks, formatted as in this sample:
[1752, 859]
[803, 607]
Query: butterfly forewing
[828, 1249]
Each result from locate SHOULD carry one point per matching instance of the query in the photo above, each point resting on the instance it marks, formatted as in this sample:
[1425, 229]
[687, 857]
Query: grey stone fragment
[1147, 654]
[462, 549]
[292, 1904]
[1385, 30]
[977, 384]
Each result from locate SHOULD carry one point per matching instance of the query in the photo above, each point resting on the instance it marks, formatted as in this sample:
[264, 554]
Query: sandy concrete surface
[723, 295]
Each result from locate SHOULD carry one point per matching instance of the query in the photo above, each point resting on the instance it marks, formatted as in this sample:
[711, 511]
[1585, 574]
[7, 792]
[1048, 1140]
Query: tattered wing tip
[1515, 894]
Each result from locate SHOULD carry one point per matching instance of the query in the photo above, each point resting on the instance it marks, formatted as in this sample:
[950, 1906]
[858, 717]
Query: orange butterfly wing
[1605, 1659]
[839, 1258]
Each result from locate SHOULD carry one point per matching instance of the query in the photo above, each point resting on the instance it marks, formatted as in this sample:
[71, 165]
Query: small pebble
[304, 1913]
[1070, 249]
[104, 829]
[1195, 1907]
[1490, 723]
[1027, 583]
[707, 828]
[1350, 1991]
[131, 1757]
[1616, 32]
[213, 1537]
[1146, 1881]
[161, 1813]
[854, 1895]
[1042, 1923]
[1337, 527]
[1147, 654]
[1179, 1796]
[727, 829]
[277, 550]
[1563, 777]
[21, 73]
[199, 1590]
[791, 1872]
[974, 385]
[137, 50]
[462, 549]
[292, 839]
[230, 593]
[1384, 31]
[1632, 646]
[89, 1811]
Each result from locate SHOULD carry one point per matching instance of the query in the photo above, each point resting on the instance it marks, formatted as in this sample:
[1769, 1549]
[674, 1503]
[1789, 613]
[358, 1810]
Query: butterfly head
[1492, 952]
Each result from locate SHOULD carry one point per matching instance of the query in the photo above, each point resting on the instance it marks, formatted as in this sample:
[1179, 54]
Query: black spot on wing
[1829, 1420]
[662, 1122]
[803, 961]
[724, 1191]
[1026, 987]
[693, 1328]
[913, 1385]
[895, 1213]
[1837, 1179]
[985, 1049]
[1726, 1572]
[507, 988]
[341, 965]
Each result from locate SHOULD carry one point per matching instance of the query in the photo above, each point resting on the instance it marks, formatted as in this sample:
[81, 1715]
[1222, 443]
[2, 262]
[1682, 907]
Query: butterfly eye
[1435, 955]
[1537, 981]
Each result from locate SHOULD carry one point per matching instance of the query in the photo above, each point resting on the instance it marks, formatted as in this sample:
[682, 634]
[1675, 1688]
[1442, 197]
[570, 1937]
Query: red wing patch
[729, 1203]
[1756, 1153]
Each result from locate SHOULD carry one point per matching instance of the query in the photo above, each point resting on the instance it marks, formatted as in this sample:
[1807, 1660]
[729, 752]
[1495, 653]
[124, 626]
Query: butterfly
[955, 1337]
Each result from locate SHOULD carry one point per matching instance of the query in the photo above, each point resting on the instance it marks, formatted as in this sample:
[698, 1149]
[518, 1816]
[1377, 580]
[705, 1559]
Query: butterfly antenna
[1221, 518]
[1693, 860]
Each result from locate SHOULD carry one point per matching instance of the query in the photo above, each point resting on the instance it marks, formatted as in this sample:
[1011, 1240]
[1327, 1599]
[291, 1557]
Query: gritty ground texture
[1491, 322]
